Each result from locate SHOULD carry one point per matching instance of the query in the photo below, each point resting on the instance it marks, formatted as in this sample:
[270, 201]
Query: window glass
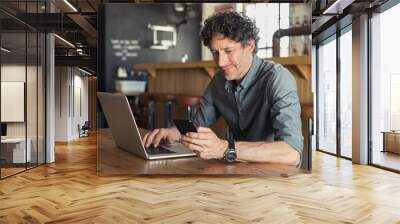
[327, 97]
[278, 18]
[385, 89]
[346, 94]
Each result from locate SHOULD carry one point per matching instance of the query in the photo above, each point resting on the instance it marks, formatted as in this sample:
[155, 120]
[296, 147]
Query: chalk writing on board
[125, 49]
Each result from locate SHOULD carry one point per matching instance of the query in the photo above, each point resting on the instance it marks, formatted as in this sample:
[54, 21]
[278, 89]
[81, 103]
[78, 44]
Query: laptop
[126, 133]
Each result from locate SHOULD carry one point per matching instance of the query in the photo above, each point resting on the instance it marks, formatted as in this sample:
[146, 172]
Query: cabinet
[13, 150]
[391, 141]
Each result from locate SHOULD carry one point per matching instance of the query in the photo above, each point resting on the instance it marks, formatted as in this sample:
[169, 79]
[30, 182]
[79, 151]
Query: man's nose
[222, 60]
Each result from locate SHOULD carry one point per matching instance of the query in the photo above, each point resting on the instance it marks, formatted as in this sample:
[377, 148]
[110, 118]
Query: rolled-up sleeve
[285, 109]
[206, 113]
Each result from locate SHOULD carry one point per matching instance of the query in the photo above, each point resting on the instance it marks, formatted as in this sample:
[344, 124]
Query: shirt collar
[249, 78]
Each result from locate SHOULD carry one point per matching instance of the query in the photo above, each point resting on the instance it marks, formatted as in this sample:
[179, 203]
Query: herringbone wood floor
[69, 191]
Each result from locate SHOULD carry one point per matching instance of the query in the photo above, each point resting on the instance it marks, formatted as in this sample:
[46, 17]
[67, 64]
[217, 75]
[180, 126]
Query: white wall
[80, 104]
[18, 73]
[14, 73]
[61, 103]
[71, 102]
[33, 105]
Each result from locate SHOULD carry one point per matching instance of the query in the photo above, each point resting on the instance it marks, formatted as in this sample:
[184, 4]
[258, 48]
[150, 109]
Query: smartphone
[185, 126]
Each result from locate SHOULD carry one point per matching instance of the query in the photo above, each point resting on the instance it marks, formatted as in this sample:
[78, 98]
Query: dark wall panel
[128, 22]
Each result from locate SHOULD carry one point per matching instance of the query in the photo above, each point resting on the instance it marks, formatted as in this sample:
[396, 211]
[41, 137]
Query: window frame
[333, 37]
[378, 10]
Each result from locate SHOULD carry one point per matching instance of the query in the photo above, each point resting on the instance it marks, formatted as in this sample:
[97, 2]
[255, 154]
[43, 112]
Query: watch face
[230, 156]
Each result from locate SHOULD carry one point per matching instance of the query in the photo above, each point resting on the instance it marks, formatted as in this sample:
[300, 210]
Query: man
[257, 99]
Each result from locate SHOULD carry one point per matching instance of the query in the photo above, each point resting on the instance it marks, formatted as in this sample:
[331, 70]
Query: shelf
[301, 63]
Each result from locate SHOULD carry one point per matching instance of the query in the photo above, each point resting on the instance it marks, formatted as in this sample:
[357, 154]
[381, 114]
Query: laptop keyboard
[158, 150]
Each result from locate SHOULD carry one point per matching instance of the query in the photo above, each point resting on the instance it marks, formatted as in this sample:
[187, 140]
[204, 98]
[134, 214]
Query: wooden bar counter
[192, 78]
[112, 160]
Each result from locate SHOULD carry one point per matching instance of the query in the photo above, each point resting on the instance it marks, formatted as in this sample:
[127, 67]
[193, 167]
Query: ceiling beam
[85, 61]
[85, 25]
[77, 17]
[337, 7]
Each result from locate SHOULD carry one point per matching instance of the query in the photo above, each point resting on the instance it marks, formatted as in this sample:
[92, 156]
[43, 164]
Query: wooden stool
[148, 109]
[190, 102]
[167, 99]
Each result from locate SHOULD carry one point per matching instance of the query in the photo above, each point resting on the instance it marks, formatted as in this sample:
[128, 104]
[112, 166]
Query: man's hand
[206, 143]
[169, 135]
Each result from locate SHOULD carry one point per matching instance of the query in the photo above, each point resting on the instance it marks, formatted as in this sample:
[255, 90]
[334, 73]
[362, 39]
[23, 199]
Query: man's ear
[251, 45]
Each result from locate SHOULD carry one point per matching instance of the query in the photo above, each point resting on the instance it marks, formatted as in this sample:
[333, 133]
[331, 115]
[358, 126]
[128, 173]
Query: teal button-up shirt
[263, 107]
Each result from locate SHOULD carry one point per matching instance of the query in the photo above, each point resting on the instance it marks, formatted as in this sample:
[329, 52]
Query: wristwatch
[230, 153]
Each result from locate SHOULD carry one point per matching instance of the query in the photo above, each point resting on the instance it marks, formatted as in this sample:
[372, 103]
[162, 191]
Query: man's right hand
[169, 135]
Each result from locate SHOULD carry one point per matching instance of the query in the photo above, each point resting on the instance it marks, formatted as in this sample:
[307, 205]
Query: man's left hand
[205, 143]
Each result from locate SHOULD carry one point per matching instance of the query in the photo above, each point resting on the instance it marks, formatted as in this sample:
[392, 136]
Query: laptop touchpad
[158, 150]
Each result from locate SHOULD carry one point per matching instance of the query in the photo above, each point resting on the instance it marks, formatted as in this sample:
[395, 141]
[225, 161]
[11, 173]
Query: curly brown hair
[232, 25]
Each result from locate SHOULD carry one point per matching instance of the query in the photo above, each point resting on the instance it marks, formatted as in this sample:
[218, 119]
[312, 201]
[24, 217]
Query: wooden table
[112, 160]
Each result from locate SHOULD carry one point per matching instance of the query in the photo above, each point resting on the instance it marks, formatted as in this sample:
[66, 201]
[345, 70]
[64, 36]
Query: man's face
[231, 57]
